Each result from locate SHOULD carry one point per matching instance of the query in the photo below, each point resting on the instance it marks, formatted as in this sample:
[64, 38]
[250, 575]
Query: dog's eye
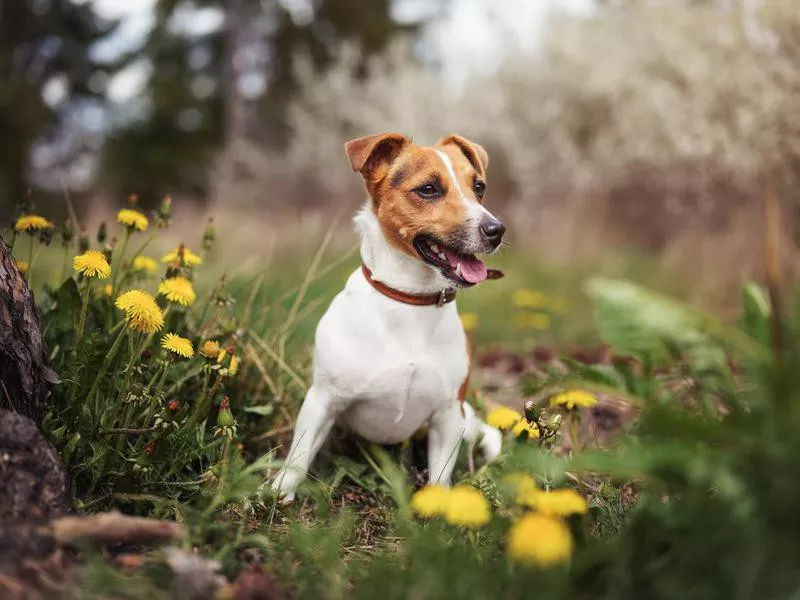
[429, 190]
[479, 188]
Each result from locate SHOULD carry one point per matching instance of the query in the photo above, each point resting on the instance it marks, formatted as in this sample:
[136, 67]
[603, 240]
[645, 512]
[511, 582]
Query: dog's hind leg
[478, 432]
[312, 427]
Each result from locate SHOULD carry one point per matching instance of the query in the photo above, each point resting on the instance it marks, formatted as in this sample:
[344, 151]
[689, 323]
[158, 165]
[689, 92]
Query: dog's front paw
[284, 487]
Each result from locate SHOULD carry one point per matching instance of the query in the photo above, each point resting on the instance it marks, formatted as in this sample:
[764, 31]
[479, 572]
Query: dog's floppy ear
[475, 153]
[368, 152]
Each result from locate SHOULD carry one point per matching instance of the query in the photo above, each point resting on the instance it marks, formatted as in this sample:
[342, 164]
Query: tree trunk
[25, 377]
[33, 481]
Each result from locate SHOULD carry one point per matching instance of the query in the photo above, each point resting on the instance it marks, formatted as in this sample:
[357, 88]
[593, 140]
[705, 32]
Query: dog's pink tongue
[472, 269]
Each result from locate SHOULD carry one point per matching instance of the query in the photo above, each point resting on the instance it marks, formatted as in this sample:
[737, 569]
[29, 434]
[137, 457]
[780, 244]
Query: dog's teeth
[458, 269]
[434, 247]
[442, 256]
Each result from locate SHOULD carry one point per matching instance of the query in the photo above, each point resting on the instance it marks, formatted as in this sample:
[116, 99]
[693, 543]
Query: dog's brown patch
[397, 167]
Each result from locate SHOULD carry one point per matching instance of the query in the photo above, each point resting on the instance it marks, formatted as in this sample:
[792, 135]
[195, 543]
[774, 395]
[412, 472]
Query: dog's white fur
[384, 369]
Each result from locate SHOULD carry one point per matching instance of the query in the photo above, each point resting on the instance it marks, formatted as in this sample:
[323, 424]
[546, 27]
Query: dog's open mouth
[463, 269]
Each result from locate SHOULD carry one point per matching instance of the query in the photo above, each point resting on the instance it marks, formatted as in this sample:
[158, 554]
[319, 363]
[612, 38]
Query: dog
[391, 355]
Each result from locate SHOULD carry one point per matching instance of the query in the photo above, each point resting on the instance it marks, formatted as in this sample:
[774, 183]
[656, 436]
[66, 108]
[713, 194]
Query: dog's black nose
[493, 231]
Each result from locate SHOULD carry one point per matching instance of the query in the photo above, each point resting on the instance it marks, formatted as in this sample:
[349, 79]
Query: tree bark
[25, 377]
[33, 481]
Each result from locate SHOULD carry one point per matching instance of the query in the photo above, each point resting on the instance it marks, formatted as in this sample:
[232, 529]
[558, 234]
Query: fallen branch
[114, 528]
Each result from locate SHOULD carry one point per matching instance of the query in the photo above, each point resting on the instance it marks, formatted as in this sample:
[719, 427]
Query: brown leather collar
[446, 296]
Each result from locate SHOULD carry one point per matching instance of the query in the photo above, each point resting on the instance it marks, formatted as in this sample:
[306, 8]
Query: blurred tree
[211, 89]
[45, 70]
[367, 24]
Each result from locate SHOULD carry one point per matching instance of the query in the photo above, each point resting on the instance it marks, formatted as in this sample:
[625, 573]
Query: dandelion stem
[128, 371]
[121, 258]
[64, 265]
[573, 431]
[199, 408]
[204, 313]
[161, 380]
[30, 264]
[84, 307]
[104, 367]
[146, 243]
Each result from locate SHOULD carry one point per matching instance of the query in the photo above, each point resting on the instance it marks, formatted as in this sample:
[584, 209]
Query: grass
[194, 439]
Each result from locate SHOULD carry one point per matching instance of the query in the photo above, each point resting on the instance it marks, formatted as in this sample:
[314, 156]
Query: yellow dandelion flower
[92, 264]
[467, 507]
[539, 540]
[573, 398]
[532, 429]
[177, 345]
[141, 311]
[555, 503]
[430, 501]
[210, 349]
[190, 259]
[537, 321]
[145, 263]
[108, 289]
[503, 418]
[528, 298]
[132, 219]
[233, 365]
[178, 290]
[469, 321]
[558, 305]
[23, 266]
[31, 223]
[522, 484]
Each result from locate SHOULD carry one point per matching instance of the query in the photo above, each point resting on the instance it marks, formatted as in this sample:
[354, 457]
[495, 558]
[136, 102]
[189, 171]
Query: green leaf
[756, 312]
[69, 298]
[647, 324]
[263, 411]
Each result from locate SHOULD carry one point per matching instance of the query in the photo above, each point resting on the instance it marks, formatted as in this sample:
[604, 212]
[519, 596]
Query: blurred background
[633, 136]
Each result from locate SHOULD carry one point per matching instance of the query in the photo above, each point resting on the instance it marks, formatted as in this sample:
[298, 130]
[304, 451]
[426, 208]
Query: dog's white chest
[393, 364]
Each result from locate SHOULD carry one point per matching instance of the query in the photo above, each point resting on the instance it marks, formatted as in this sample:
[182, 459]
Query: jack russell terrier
[390, 353]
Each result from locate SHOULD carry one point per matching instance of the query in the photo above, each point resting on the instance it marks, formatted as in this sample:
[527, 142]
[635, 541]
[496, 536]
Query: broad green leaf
[756, 312]
[69, 299]
[644, 323]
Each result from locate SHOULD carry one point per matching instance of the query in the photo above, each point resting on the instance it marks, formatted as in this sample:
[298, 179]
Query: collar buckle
[446, 295]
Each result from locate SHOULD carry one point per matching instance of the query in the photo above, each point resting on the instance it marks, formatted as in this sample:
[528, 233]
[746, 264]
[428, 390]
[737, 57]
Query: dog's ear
[475, 153]
[368, 152]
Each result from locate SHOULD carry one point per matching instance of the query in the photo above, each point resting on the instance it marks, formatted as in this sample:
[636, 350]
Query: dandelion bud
[46, 236]
[67, 232]
[133, 199]
[83, 241]
[174, 405]
[209, 235]
[554, 422]
[531, 412]
[165, 211]
[102, 234]
[108, 250]
[225, 416]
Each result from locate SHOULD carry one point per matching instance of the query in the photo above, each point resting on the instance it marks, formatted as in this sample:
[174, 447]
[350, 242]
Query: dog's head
[429, 200]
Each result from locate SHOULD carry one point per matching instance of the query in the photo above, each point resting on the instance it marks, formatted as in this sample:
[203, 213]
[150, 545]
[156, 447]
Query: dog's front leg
[317, 415]
[444, 437]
